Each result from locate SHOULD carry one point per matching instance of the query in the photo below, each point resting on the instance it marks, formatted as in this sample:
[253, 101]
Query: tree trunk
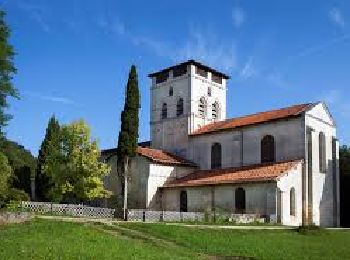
[125, 205]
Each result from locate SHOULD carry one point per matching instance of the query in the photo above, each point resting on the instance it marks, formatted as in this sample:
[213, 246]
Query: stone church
[281, 163]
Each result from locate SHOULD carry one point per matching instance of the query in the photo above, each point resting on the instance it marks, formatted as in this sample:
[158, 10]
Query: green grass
[49, 239]
[46, 239]
[260, 244]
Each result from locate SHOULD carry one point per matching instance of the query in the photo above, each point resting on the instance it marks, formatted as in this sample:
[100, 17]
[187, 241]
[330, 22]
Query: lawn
[50, 239]
[260, 244]
[47, 239]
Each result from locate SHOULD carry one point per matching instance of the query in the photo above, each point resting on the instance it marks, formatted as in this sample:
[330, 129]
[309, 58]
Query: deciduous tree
[7, 70]
[5, 175]
[76, 171]
[22, 162]
[344, 159]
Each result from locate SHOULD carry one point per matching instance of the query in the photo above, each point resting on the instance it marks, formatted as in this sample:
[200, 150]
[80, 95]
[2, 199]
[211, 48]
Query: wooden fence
[68, 209]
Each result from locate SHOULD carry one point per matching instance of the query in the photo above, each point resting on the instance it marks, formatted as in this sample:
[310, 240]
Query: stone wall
[260, 198]
[293, 179]
[14, 217]
[318, 119]
[243, 147]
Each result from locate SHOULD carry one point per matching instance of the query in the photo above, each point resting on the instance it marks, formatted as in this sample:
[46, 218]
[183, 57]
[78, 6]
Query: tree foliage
[5, 176]
[22, 162]
[49, 146]
[7, 70]
[128, 134]
[344, 159]
[75, 170]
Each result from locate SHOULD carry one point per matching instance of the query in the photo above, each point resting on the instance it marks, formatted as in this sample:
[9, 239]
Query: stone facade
[171, 133]
[304, 194]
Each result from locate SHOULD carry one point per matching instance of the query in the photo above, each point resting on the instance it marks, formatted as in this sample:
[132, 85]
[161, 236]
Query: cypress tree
[7, 70]
[50, 145]
[128, 134]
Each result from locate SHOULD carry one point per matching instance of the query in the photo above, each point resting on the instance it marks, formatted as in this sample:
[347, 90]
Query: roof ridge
[176, 159]
[225, 171]
[220, 125]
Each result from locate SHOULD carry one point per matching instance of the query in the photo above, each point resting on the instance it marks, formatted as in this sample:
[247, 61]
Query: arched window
[202, 107]
[180, 107]
[171, 91]
[268, 149]
[209, 91]
[215, 110]
[164, 111]
[216, 156]
[322, 151]
[292, 202]
[240, 200]
[183, 201]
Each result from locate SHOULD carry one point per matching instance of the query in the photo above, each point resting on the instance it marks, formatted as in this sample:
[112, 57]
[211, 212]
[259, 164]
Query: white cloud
[238, 17]
[205, 47]
[248, 70]
[57, 99]
[338, 101]
[337, 17]
[208, 48]
[317, 48]
[36, 12]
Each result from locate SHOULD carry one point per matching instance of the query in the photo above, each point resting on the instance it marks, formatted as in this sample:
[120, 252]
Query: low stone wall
[14, 217]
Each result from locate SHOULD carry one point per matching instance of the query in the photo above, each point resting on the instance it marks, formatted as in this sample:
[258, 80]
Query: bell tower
[184, 98]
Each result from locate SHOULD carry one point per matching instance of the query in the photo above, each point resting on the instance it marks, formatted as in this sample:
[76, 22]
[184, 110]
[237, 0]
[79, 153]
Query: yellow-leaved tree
[75, 170]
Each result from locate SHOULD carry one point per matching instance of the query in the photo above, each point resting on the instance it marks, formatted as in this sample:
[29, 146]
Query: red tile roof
[159, 156]
[253, 173]
[254, 119]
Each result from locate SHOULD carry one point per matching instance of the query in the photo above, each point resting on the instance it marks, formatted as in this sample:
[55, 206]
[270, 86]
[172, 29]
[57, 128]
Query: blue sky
[73, 57]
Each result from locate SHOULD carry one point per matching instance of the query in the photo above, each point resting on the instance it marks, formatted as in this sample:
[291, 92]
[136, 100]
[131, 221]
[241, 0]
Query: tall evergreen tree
[128, 135]
[7, 70]
[49, 146]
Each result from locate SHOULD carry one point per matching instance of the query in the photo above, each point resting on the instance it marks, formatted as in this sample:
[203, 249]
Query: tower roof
[190, 62]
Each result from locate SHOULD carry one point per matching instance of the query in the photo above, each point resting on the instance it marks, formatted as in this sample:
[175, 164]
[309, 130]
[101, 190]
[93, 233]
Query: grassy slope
[43, 239]
[262, 244]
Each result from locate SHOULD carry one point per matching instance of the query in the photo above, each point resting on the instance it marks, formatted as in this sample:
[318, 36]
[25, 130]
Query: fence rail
[143, 215]
[68, 209]
[176, 216]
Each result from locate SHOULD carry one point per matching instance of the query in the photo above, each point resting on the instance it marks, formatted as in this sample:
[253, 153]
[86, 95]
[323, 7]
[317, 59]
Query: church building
[280, 164]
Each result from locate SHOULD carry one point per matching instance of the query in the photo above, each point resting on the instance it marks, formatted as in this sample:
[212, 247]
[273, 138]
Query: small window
[240, 200]
[171, 91]
[164, 111]
[292, 202]
[209, 91]
[216, 155]
[183, 201]
[268, 149]
[201, 72]
[322, 152]
[179, 71]
[180, 107]
[215, 111]
[162, 77]
[216, 78]
[202, 106]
